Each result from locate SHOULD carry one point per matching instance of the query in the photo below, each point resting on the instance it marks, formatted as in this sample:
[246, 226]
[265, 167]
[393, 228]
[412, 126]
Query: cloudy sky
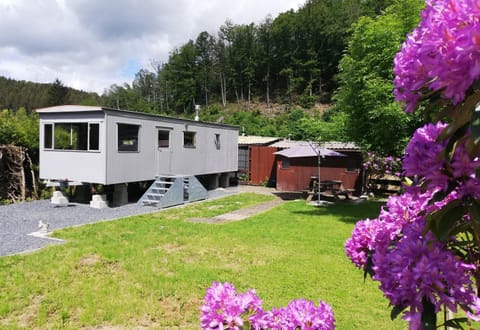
[92, 44]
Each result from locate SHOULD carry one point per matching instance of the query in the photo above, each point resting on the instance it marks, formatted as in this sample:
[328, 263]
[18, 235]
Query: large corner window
[163, 138]
[189, 139]
[128, 137]
[72, 136]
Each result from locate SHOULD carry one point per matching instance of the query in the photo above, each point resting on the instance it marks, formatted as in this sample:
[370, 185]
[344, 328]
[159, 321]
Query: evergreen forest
[322, 72]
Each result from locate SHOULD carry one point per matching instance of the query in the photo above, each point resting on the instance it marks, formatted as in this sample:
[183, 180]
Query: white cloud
[91, 44]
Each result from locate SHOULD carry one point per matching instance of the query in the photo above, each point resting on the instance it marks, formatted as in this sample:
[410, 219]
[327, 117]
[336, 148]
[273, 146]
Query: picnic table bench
[333, 187]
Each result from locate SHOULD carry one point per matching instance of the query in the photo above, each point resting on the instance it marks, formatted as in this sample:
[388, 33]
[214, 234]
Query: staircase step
[154, 197]
[159, 189]
[149, 202]
[164, 182]
[151, 193]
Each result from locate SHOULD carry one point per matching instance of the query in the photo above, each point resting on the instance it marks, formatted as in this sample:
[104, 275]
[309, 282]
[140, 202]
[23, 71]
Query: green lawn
[152, 270]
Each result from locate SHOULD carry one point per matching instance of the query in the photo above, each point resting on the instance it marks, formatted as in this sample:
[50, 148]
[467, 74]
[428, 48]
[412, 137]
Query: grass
[152, 270]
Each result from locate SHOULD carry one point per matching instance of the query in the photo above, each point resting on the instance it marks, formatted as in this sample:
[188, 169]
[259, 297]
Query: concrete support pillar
[99, 201]
[120, 194]
[82, 193]
[58, 198]
[224, 180]
[213, 181]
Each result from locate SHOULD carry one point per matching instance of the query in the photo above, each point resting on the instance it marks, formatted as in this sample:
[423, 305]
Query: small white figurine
[43, 226]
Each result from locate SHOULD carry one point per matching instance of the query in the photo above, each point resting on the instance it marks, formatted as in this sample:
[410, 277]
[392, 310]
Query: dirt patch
[94, 261]
[89, 260]
[170, 248]
[31, 312]
[180, 310]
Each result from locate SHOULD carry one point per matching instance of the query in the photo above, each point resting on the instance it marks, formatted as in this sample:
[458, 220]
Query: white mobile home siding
[109, 165]
[70, 165]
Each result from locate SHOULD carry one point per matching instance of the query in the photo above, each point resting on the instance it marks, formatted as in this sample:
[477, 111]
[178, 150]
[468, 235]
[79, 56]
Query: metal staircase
[168, 190]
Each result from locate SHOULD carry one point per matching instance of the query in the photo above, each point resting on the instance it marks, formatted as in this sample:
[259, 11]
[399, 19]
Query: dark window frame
[71, 136]
[189, 139]
[162, 142]
[128, 137]
[217, 141]
[48, 136]
[93, 137]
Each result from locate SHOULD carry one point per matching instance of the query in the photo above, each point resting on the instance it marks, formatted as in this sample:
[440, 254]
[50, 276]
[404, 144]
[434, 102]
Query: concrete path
[240, 214]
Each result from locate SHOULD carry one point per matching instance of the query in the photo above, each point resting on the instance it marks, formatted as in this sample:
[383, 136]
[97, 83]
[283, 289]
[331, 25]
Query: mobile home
[98, 145]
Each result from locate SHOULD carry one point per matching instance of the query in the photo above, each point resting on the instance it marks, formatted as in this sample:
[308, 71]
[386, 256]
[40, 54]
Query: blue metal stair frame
[169, 190]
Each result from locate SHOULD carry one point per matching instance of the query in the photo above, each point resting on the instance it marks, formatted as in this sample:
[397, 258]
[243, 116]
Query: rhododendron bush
[225, 308]
[376, 167]
[424, 247]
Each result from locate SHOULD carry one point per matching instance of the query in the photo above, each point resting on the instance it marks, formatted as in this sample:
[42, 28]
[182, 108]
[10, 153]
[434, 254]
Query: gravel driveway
[19, 223]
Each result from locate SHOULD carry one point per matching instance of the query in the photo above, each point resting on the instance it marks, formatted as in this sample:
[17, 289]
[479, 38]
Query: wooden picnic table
[325, 185]
[330, 186]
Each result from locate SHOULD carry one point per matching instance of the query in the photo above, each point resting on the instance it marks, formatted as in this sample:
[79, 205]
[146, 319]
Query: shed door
[164, 150]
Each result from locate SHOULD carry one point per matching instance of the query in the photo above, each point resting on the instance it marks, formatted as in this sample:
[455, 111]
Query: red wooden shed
[294, 172]
[256, 161]
[260, 165]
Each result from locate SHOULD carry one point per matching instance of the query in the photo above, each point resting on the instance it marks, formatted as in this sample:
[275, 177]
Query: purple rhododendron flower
[409, 265]
[362, 243]
[299, 314]
[305, 315]
[419, 267]
[369, 236]
[462, 165]
[423, 159]
[471, 188]
[422, 155]
[442, 53]
[274, 319]
[225, 308]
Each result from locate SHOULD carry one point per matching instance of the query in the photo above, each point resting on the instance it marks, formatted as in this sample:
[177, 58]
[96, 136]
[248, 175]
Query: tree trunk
[22, 185]
[268, 87]
[34, 179]
[166, 95]
[225, 98]
[223, 90]
[206, 93]
[236, 92]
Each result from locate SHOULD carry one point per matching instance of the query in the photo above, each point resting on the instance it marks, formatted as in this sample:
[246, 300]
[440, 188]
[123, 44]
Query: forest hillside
[322, 72]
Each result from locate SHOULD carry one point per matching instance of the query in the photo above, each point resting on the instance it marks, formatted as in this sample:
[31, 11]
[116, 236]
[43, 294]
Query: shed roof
[308, 151]
[345, 146]
[334, 145]
[284, 144]
[257, 140]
